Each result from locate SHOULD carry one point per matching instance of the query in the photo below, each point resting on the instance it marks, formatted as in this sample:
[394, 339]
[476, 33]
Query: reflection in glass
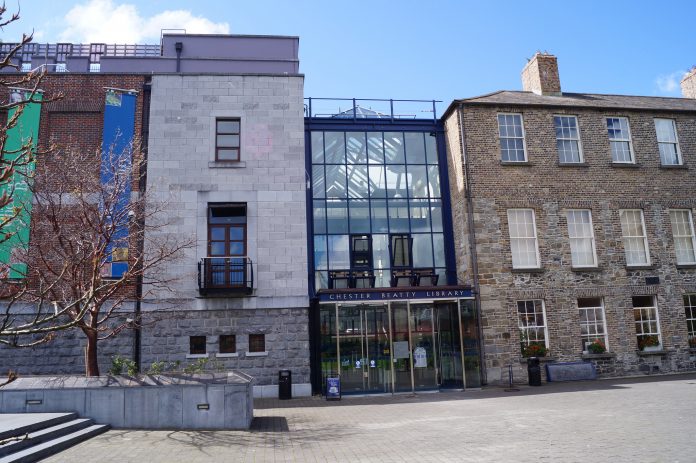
[337, 216]
[319, 213]
[356, 152]
[470, 338]
[431, 149]
[396, 181]
[378, 212]
[436, 214]
[422, 250]
[418, 183]
[434, 181]
[317, 147]
[334, 147]
[320, 255]
[336, 181]
[420, 218]
[380, 251]
[318, 182]
[439, 248]
[415, 148]
[377, 182]
[394, 147]
[339, 254]
[321, 280]
[375, 147]
[359, 216]
[398, 215]
[357, 181]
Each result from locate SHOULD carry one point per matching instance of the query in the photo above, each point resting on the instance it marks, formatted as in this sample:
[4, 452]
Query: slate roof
[583, 100]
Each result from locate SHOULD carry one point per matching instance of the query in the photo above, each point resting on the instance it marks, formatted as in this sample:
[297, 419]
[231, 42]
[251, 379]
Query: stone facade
[550, 190]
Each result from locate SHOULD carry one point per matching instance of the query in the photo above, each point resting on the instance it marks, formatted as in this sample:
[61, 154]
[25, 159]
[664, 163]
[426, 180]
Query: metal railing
[225, 275]
[370, 108]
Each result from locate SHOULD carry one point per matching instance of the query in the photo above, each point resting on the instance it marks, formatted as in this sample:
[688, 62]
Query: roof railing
[370, 108]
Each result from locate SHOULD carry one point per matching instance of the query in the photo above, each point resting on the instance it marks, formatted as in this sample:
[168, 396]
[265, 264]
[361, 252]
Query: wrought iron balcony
[225, 276]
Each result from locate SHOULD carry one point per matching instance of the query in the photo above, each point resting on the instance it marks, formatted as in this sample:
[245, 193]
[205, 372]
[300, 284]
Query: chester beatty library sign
[393, 295]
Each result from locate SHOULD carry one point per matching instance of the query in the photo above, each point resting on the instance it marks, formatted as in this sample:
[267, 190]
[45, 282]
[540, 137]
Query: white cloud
[107, 22]
[669, 83]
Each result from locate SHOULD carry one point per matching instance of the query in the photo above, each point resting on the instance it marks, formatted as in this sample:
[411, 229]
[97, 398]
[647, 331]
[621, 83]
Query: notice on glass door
[401, 350]
[420, 358]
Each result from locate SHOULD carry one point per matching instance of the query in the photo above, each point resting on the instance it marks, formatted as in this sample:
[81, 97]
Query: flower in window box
[597, 347]
[534, 350]
[692, 342]
[648, 342]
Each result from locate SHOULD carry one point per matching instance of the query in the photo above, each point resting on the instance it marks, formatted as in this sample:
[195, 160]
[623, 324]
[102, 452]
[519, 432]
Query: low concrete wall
[212, 401]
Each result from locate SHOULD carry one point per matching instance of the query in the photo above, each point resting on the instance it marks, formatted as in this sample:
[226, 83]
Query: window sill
[515, 163]
[257, 354]
[573, 164]
[221, 355]
[630, 268]
[674, 166]
[645, 353]
[606, 355]
[541, 359]
[692, 350]
[197, 356]
[686, 266]
[625, 165]
[586, 269]
[528, 270]
[226, 164]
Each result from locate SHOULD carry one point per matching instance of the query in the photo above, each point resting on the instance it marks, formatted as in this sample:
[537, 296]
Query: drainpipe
[142, 185]
[472, 240]
[178, 46]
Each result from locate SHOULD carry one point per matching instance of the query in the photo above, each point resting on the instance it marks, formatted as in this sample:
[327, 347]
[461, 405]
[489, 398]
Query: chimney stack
[688, 84]
[540, 75]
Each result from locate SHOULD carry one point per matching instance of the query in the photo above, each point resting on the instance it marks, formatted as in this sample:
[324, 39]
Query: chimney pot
[540, 75]
[688, 84]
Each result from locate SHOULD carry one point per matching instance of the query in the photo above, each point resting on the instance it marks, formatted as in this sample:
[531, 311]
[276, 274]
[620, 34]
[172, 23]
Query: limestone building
[573, 217]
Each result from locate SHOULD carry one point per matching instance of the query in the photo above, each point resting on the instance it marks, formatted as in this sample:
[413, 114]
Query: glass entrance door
[449, 345]
[424, 350]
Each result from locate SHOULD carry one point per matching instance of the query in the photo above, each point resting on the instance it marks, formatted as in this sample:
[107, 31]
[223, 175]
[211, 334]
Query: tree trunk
[91, 359]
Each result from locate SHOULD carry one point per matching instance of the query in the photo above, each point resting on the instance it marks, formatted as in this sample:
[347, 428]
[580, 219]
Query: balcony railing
[225, 276]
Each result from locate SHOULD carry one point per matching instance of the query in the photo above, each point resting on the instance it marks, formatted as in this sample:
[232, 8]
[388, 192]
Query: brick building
[573, 219]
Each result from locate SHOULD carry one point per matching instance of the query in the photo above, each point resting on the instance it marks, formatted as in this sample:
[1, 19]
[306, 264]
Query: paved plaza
[629, 420]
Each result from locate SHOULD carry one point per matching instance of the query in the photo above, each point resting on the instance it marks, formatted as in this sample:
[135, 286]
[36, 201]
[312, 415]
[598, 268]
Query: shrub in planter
[597, 347]
[648, 341]
[692, 342]
[534, 350]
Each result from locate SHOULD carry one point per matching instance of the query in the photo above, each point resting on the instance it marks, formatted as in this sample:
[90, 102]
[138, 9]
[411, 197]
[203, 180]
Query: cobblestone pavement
[629, 420]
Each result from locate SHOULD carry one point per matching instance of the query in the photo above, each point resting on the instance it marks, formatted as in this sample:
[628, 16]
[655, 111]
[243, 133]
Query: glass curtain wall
[384, 186]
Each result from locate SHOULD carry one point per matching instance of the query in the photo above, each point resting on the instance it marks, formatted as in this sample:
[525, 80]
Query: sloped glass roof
[360, 113]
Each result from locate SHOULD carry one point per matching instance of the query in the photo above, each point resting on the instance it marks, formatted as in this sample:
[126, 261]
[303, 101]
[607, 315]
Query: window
[196, 345]
[226, 239]
[511, 131]
[568, 139]
[401, 250]
[592, 321]
[582, 241]
[360, 252]
[683, 232]
[227, 140]
[690, 309]
[532, 324]
[523, 238]
[647, 323]
[667, 141]
[620, 139]
[257, 343]
[228, 344]
[634, 237]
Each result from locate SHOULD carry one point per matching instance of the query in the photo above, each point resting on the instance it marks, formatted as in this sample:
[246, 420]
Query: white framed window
[620, 140]
[593, 324]
[531, 316]
[690, 309]
[568, 139]
[582, 240]
[647, 323]
[523, 238]
[635, 238]
[511, 134]
[684, 238]
[667, 141]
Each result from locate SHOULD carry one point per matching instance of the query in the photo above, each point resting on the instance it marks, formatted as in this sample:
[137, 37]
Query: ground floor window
[593, 330]
[532, 325]
[690, 309]
[228, 344]
[196, 345]
[257, 342]
[647, 323]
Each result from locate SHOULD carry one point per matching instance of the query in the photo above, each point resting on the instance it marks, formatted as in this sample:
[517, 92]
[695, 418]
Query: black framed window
[227, 236]
[227, 134]
[197, 345]
[257, 342]
[360, 252]
[228, 344]
[401, 247]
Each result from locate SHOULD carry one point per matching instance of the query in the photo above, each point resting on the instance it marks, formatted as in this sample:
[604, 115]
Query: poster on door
[420, 358]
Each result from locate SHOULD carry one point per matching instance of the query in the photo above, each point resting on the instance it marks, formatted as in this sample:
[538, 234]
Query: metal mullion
[391, 347]
[461, 341]
[338, 343]
[410, 345]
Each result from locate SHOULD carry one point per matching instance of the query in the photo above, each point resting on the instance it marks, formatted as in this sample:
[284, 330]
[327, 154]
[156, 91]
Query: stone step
[14, 425]
[44, 435]
[53, 446]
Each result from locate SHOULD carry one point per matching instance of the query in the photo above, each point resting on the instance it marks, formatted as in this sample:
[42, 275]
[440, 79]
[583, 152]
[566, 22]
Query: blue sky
[414, 49]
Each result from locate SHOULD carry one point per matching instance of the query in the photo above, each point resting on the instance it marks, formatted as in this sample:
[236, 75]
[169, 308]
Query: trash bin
[284, 385]
[534, 371]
